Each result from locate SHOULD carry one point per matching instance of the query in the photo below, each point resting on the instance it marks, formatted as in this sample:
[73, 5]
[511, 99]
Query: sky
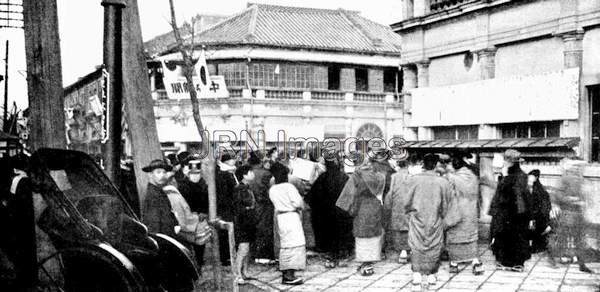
[81, 28]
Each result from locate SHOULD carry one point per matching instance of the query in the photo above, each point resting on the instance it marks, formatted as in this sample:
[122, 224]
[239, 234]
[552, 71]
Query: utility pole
[5, 117]
[44, 74]
[113, 60]
[139, 106]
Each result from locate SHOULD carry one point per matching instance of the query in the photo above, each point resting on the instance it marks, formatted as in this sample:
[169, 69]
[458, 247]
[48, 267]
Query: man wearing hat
[510, 211]
[157, 214]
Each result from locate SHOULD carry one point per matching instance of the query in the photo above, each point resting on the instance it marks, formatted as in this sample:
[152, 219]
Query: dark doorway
[333, 78]
[362, 79]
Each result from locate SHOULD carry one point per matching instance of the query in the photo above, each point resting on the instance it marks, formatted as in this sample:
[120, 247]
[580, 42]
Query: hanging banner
[206, 86]
[542, 97]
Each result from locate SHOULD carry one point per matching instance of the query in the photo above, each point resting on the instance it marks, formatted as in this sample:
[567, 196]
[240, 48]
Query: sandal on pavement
[366, 270]
[453, 269]
[330, 264]
[517, 268]
[478, 269]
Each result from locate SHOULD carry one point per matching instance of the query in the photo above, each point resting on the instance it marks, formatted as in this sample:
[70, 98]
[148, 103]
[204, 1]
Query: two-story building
[493, 74]
[312, 73]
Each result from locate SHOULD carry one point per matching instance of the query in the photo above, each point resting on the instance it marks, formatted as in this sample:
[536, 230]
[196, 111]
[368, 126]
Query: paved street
[391, 276]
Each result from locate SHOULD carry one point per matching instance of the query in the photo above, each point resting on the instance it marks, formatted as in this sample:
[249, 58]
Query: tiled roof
[303, 28]
[568, 142]
[162, 42]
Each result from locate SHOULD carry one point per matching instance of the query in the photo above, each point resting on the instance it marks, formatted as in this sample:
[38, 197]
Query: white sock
[476, 261]
[416, 278]
[403, 254]
[431, 279]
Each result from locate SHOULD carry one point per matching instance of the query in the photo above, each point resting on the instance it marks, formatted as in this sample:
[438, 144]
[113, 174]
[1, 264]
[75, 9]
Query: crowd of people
[423, 209]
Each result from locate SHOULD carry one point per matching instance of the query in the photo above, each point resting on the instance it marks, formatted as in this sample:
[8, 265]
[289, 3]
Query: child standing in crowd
[244, 220]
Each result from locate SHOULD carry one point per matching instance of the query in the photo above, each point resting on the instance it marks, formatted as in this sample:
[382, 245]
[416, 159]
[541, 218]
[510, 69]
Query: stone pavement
[392, 276]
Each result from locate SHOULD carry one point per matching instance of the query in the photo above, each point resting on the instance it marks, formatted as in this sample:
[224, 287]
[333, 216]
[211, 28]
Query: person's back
[428, 196]
[428, 199]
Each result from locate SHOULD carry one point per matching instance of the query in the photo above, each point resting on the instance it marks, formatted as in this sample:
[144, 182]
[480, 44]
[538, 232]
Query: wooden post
[139, 106]
[44, 74]
[113, 60]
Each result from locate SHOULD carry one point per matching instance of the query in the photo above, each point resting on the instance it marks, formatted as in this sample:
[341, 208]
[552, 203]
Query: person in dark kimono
[427, 207]
[20, 207]
[244, 221]
[225, 181]
[262, 248]
[156, 213]
[511, 215]
[362, 198]
[540, 212]
[568, 238]
[332, 226]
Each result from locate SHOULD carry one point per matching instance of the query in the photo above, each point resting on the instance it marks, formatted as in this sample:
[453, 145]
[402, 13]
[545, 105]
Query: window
[594, 93]
[362, 79]
[456, 132]
[234, 73]
[333, 78]
[530, 130]
[389, 80]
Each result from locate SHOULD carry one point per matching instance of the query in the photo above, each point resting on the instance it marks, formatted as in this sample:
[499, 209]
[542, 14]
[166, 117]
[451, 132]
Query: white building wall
[440, 67]
[527, 58]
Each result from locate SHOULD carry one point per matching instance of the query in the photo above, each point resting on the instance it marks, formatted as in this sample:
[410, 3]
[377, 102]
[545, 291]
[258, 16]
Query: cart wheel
[90, 268]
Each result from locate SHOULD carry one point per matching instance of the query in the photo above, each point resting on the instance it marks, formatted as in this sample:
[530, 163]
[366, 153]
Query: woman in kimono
[362, 198]
[288, 207]
[461, 239]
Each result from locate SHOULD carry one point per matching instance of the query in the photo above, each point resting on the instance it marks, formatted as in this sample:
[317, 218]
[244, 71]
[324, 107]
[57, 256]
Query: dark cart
[100, 243]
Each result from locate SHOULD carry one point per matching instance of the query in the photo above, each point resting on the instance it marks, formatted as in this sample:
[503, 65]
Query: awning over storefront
[488, 145]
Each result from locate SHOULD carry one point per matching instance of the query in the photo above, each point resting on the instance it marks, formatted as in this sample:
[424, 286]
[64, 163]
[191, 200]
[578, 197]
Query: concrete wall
[440, 67]
[527, 58]
[527, 13]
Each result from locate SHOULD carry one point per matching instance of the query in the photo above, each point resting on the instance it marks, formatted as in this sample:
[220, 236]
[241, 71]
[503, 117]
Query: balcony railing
[283, 94]
[328, 95]
[302, 94]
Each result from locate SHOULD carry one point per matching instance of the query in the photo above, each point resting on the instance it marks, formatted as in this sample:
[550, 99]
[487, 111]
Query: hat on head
[512, 155]
[535, 172]
[195, 166]
[226, 156]
[461, 153]
[254, 158]
[182, 156]
[172, 157]
[157, 163]
[379, 155]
